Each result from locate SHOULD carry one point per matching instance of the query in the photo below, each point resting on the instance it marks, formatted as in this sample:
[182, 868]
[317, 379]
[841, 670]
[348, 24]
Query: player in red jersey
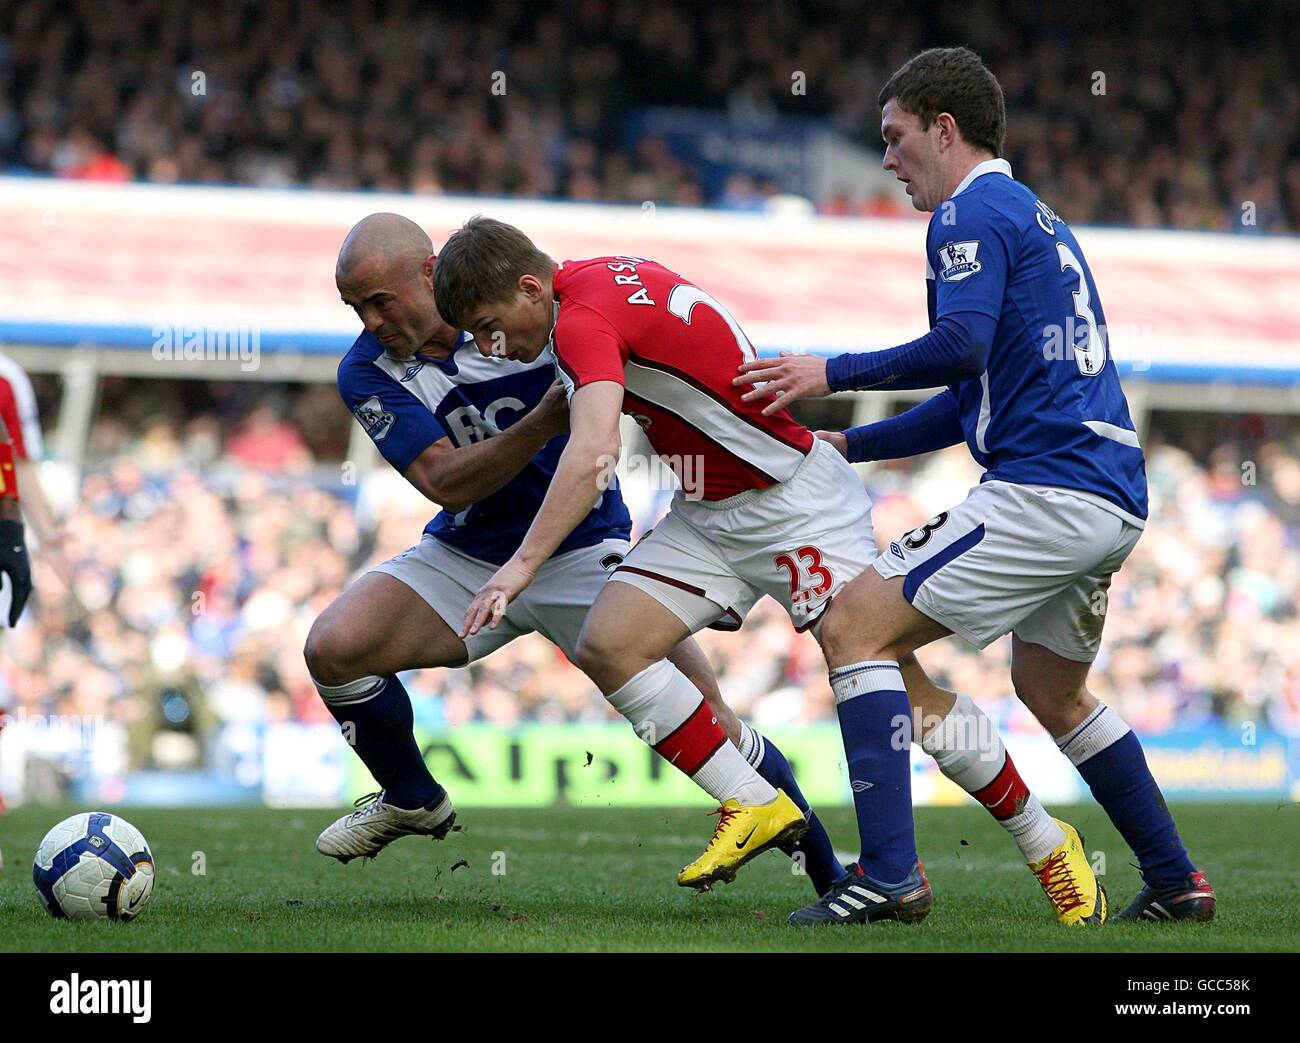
[14, 564]
[21, 417]
[675, 380]
[777, 512]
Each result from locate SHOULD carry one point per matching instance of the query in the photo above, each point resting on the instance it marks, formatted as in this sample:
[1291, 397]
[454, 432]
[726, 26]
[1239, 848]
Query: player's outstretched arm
[934, 424]
[455, 477]
[956, 349]
[583, 474]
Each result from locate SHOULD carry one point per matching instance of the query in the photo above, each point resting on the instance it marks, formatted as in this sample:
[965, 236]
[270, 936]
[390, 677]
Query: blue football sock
[376, 718]
[814, 850]
[875, 722]
[1109, 757]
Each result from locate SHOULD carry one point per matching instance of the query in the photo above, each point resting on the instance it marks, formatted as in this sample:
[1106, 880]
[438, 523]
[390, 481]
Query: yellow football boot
[1070, 884]
[743, 831]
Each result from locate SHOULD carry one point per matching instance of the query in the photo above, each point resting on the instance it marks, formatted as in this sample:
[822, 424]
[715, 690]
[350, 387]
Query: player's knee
[846, 636]
[330, 660]
[595, 651]
[604, 655]
[831, 632]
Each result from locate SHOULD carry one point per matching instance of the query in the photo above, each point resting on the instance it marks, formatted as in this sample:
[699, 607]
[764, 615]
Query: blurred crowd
[1118, 113]
[201, 552]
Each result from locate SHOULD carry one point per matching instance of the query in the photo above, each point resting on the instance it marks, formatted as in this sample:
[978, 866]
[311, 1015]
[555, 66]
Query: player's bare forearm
[584, 472]
[585, 469]
[455, 477]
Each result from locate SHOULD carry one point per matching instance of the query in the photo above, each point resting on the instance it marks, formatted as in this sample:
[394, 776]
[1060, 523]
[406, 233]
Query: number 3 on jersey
[809, 576]
[1091, 358]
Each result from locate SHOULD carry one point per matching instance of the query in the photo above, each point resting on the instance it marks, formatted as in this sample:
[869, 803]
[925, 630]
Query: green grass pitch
[602, 879]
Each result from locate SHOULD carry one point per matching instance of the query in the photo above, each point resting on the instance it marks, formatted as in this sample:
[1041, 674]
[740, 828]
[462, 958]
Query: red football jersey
[675, 350]
[18, 408]
[13, 423]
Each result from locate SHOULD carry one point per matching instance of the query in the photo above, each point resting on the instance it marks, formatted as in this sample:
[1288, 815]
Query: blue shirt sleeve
[934, 424]
[400, 425]
[956, 349]
[970, 247]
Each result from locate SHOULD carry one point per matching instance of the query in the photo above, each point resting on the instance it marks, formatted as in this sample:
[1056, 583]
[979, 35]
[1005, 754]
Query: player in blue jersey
[1018, 336]
[480, 436]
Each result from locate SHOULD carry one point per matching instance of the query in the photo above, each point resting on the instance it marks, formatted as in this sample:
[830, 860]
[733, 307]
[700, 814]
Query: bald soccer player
[481, 438]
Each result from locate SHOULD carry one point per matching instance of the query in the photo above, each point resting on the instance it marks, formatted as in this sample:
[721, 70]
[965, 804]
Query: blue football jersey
[1048, 409]
[405, 405]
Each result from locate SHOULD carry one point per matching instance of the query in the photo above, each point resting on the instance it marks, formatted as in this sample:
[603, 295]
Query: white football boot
[374, 825]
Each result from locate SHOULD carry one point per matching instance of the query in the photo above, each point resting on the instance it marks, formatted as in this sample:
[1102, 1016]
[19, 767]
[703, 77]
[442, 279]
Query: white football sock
[969, 751]
[1101, 728]
[660, 700]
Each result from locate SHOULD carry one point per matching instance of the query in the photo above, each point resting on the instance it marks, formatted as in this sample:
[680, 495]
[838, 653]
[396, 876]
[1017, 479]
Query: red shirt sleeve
[9, 413]
[587, 347]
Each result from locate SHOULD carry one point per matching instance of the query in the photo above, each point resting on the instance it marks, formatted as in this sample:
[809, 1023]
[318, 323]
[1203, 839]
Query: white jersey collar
[989, 166]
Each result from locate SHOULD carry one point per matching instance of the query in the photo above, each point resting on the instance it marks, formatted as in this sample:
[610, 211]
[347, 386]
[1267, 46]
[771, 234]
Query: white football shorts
[554, 605]
[798, 541]
[1030, 560]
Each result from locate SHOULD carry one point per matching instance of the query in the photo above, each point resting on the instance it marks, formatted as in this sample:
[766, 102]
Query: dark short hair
[952, 80]
[481, 264]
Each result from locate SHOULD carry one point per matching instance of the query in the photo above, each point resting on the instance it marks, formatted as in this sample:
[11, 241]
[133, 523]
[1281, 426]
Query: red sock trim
[1005, 796]
[696, 739]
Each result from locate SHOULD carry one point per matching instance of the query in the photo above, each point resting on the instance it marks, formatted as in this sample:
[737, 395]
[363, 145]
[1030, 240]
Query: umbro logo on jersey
[957, 260]
[411, 371]
[372, 415]
[896, 550]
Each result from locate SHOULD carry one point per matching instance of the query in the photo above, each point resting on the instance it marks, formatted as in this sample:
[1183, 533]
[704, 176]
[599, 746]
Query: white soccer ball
[94, 865]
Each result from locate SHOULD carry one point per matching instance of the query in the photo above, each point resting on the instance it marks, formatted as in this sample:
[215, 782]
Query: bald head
[385, 273]
[383, 240]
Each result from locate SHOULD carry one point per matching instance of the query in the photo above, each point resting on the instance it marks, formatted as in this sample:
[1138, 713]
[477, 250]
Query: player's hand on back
[836, 438]
[784, 380]
[494, 597]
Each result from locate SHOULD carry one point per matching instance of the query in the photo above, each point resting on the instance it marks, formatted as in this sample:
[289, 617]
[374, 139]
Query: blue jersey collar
[449, 364]
[989, 166]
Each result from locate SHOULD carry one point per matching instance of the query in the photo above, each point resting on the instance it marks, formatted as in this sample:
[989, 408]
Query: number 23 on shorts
[810, 577]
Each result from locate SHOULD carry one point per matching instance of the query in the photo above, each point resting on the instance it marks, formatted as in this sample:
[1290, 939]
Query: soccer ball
[94, 865]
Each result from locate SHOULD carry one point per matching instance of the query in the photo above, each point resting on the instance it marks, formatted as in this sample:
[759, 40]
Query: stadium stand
[211, 519]
[1199, 125]
[205, 543]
